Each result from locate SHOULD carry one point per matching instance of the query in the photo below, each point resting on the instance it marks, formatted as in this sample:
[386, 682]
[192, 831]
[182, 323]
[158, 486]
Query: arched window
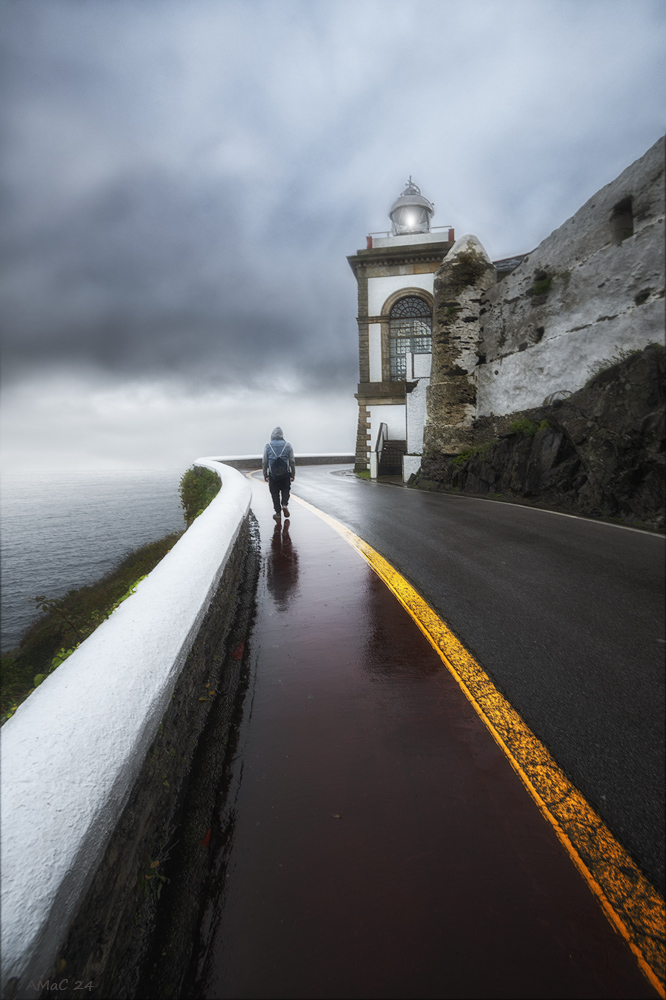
[410, 329]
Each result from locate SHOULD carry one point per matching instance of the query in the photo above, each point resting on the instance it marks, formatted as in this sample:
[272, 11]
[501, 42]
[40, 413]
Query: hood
[276, 434]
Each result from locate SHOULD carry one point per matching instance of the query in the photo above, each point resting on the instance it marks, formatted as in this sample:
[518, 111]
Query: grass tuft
[68, 620]
[468, 453]
[621, 354]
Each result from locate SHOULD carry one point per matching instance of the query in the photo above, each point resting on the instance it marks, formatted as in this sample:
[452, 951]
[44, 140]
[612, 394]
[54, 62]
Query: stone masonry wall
[459, 285]
[111, 937]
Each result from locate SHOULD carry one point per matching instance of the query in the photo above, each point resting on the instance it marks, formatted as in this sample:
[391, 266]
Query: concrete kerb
[72, 752]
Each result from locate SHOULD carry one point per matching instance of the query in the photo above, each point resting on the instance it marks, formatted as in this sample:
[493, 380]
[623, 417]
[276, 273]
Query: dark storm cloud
[154, 226]
[150, 275]
[183, 181]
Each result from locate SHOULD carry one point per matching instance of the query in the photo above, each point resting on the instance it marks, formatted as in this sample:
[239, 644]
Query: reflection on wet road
[566, 614]
[383, 846]
[282, 567]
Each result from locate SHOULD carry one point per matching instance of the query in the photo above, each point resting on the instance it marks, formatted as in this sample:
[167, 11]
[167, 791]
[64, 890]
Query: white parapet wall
[72, 752]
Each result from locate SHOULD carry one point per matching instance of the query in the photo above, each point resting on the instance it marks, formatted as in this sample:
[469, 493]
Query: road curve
[564, 613]
[372, 838]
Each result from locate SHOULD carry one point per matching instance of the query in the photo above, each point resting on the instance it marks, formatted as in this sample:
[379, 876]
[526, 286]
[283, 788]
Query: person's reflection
[282, 568]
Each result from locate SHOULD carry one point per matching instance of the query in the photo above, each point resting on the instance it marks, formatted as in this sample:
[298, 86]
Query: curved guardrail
[73, 750]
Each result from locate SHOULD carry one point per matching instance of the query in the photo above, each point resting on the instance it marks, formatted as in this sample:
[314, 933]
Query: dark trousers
[279, 487]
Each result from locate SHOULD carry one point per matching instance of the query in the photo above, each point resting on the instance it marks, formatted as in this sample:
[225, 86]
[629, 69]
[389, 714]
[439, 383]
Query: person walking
[279, 471]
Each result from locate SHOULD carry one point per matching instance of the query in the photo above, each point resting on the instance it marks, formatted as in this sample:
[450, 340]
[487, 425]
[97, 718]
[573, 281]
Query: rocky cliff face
[593, 286]
[459, 284]
[599, 452]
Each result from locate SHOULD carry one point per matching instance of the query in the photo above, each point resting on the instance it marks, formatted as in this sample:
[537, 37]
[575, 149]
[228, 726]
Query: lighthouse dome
[411, 212]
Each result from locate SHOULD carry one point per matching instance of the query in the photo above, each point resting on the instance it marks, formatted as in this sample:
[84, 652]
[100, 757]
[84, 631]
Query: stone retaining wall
[96, 761]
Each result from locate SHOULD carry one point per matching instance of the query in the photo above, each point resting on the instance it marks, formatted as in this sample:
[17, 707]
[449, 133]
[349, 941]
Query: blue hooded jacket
[275, 448]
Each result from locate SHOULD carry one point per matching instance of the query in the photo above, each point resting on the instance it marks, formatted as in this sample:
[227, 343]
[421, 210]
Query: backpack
[278, 466]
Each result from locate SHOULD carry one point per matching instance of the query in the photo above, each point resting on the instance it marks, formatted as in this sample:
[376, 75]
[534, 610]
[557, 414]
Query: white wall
[413, 239]
[418, 365]
[379, 289]
[410, 466]
[375, 351]
[394, 415]
[74, 749]
[418, 369]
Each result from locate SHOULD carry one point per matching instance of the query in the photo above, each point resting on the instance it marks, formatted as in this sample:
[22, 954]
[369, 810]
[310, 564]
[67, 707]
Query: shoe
[277, 517]
[285, 510]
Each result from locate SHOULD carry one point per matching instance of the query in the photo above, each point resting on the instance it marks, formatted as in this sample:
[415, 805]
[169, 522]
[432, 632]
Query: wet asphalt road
[373, 840]
[565, 614]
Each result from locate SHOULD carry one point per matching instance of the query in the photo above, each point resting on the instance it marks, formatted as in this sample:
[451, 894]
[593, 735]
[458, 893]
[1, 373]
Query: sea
[62, 530]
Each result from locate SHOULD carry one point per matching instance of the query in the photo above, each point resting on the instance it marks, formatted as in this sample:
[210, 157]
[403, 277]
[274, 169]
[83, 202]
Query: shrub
[525, 426]
[468, 453]
[197, 488]
[621, 354]
[542, 287]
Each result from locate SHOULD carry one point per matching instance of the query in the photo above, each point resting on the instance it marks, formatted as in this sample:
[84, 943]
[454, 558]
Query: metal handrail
[382, 437]
[389, 232]
[376, 453]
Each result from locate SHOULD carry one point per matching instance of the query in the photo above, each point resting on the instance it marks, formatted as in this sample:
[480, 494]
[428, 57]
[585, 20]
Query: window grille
[410, 329]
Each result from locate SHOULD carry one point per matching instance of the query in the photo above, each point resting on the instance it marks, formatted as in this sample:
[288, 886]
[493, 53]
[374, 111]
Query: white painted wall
[73, 750]
[418, 365]
[375, 351]
[379, 289]
[394, 415]
[413, 239]
[416, 416]
[418, 370]
[410, 466]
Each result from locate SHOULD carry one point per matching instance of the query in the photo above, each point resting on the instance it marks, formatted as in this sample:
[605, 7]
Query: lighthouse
[395, 276]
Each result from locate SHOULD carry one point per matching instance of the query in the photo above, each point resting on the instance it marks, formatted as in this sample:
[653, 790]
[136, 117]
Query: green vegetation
[69, 620]
[523, 426]
[197, 488]
[616, 359]
[363, 474]
[468, 453]
[526, 427]
[541, 285]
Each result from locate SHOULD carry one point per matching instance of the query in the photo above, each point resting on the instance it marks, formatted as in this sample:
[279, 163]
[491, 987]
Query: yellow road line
[634, 908]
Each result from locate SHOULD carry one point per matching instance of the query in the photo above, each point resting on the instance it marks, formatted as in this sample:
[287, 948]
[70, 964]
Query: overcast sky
[184, 179]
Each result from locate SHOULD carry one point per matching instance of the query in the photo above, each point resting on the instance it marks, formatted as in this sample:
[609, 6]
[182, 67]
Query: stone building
[446, 336]
[395, 275]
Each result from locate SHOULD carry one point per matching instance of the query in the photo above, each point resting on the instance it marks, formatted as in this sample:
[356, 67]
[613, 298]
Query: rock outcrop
[459, 285]
[600, 451]
[591, 288]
